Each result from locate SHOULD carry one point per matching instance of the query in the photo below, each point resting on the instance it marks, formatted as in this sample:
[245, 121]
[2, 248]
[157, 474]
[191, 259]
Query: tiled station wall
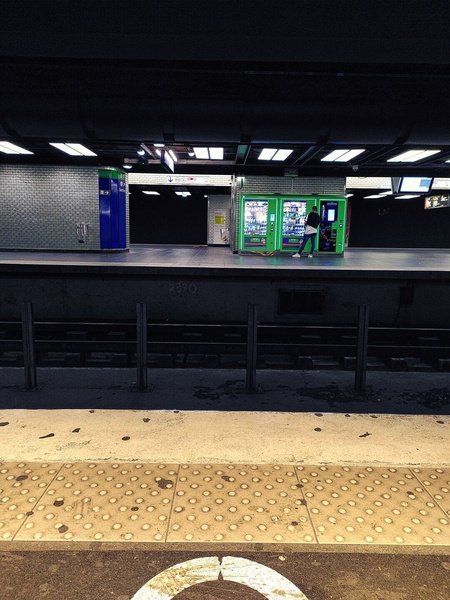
[291, 185]
[41, 206]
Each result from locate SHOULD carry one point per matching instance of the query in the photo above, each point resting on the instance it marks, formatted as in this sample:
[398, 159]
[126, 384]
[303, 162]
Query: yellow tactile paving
[437, 484]
[372, 505]
[239, 503]
[98, 502]
[21, 486]
[230, 503]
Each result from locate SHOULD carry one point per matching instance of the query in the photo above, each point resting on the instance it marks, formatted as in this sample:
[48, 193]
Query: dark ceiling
[311, 76]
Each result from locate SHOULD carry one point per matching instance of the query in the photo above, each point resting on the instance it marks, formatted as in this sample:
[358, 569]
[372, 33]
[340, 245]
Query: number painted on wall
[182, 288]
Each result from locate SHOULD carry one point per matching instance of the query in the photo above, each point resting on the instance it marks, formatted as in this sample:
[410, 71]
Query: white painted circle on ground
[260, 578]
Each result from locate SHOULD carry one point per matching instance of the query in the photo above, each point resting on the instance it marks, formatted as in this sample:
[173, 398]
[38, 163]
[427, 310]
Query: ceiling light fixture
[74, 149]
[184, 194]
[412, 155]
[282, 154]
[274, 154]
[342, 155]
[201, 153]
[216, 153]
[267, 154]
[151, 193]
[208, 153]
[9, 148]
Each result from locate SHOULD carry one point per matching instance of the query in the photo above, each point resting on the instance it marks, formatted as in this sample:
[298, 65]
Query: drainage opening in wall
[301, 302]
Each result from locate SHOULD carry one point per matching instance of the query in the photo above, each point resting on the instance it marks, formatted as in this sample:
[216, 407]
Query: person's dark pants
[306, 238]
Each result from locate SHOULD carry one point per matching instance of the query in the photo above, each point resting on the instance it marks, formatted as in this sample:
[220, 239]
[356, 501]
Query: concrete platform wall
[219, 295]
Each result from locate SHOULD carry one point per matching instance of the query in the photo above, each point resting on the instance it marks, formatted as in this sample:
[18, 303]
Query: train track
[214, 345]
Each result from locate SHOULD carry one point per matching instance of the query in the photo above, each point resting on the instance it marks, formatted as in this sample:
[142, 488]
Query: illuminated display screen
[417, 185]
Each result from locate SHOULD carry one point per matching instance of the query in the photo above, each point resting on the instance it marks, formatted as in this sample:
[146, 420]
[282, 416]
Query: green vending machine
[294, 211]
[276, 223]
[259, 223]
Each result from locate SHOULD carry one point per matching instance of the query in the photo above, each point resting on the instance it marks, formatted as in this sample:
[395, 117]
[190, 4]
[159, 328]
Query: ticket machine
[332, 226]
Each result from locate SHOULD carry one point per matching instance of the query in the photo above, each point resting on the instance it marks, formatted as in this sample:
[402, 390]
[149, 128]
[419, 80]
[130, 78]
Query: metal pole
[361, 349]
[141, 354]
[252, 331]
[29, 354]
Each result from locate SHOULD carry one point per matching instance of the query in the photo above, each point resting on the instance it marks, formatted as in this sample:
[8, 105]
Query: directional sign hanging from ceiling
[187, 180]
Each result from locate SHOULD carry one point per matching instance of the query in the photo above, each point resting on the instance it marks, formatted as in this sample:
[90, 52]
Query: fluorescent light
[151, 192]
[9, 148]
[73, 149]
[66, 149]
[172, 154]
[282, 154]
[342, 155]
[216, 153]
[184, 194]
[84, 151]
[141, 152]
[208, 153]
[333, 155]
[375, 196]
[267, 154]
[351, 154]
[274, 154]
[201, 153]
[407, 196]
[127, 166]
[159, 145]
[412, 155]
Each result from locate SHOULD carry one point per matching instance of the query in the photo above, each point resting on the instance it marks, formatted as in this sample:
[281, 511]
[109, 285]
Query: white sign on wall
[221, 234]
[187, 180]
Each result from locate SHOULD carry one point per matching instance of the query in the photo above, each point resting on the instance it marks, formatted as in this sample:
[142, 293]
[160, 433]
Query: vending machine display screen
[255, 217]
[294, 215]
[328, 212]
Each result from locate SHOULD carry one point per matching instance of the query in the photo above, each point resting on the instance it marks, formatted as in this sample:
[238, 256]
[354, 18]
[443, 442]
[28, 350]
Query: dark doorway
[168, 218]
[391, 222]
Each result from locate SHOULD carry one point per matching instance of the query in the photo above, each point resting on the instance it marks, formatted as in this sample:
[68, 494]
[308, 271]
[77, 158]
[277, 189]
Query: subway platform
[183, 258]
[108, 466]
